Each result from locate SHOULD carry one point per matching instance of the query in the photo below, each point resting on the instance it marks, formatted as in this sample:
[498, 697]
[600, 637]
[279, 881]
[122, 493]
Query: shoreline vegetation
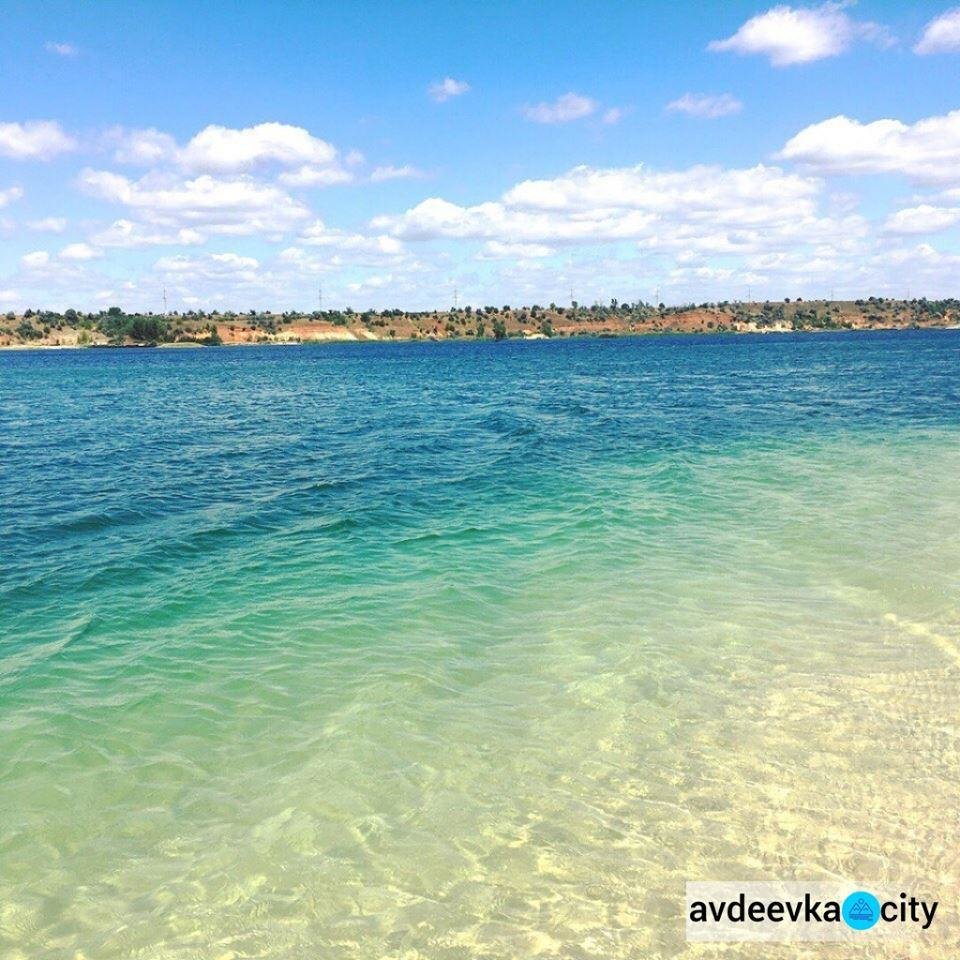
[114, 327]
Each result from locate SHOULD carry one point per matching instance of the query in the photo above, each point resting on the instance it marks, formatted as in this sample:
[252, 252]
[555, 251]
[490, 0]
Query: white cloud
[923, 218]
[395, 173]
[237, 206]
[47, 225]
[79, 251]
[129, 234]
[315, 177]
[306, 161]
[218, 149]
[144, 148]
[61, 49]
[705, 105]
[941, 35]
[613, 115]
[447, 88]
[790, 35]
[569, 106]
[701, 230]
[709, 209]
[35, 260]
[34, 140]
[223, 277]
[928, 150]
[318, 234]
[498, 250]
[9, 195]
[211, 263]
[921, 268]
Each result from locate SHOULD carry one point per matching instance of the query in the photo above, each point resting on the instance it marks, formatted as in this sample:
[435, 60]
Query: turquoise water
[471, 650]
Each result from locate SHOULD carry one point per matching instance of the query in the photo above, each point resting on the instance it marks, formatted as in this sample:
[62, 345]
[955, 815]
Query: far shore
[331, 340]
[114, 327]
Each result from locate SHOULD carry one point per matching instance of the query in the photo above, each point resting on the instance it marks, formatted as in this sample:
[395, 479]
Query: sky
[415, 155]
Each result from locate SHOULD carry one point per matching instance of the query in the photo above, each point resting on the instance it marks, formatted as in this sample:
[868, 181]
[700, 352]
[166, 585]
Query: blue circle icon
[861, 910]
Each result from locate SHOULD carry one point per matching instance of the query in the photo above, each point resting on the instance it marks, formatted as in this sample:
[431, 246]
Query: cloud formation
[447, 89]
[79, 251]
[34, 140]
[218, 149]
[61, 48]
[305, 159]
[569, 106]
[791, 35]
[706, 208]
[923, 218]
[941, 35]
[236, 206]
[9, 195]
[700, 231]
[35, 260]
[925, 151]
[407, 172]
[47, 225]
[705, 105]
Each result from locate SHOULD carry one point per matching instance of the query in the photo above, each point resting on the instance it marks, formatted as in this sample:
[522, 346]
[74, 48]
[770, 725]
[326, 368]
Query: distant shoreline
[631, 335]
[114, 327]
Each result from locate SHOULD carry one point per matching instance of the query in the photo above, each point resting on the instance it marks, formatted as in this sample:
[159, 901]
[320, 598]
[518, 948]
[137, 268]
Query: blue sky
[241, 155]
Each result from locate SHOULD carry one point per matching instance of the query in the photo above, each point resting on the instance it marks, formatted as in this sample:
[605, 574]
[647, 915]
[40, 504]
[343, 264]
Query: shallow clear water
[471, 650]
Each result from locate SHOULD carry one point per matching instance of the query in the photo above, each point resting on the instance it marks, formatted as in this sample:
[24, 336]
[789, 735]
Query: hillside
[41, 328]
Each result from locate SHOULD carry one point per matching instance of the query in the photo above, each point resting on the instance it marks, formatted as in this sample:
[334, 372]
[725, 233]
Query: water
[471, 650]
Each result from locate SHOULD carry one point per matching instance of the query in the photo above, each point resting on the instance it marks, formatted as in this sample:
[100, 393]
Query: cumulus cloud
[34, 140]
[923, 218]
[308, 176]
[790, 35]
[9, 195]
[921, 268]
[218, 149]
[447, 89]
[927, 151]
[701, 229]
[129, 234]
[35, 260]
[569, 106]
[941, 35]
[79, 251]
[237, 206]
[47, 225]
[145, 148]
[223, 181]
[703, 208]
[305, 159]
[210, 265]
[318, 234]
[61, 48]
[705, 105]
